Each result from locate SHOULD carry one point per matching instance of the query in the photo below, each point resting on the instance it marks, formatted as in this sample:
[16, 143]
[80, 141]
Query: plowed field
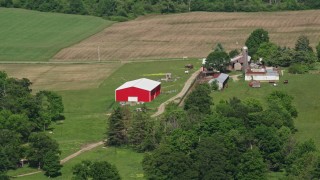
[191, 34]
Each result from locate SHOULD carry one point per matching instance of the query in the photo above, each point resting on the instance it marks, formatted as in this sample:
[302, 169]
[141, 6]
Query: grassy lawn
[127, 162]
[37, 36]
[305, 90]
[86, 110]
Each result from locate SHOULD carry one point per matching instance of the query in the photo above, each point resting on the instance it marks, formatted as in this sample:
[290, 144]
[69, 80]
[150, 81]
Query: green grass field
[127, 162]
[37, 36]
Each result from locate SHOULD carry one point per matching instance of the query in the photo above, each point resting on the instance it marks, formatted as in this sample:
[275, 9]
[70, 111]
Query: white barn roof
[143, 83]
[222, 78]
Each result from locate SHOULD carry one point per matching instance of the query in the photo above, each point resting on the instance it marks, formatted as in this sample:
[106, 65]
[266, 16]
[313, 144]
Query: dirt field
[61, 76]
[191, 34]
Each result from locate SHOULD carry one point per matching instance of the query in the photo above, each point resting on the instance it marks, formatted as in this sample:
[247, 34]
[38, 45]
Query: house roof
[239, 58]
[143, 83]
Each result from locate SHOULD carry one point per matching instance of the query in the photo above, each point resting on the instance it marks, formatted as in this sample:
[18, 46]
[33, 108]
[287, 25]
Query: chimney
[245, 58]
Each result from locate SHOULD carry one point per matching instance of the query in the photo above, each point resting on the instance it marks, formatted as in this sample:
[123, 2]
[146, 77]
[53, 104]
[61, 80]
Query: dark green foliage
[214, 85]
[117, 134]
[318, 51]
[10, 150]
[40, 145]
[101, 170]
[164, 163]
[298, 69]
[82, 171]
[251, 165]
[140, 131]
[234, 53]
[54, 103]
[302, 44]
[211, 157]
[199, 99]
[218, 60]
[219, 48]
[104, 171]
[267, 51]
[128, 8]
[51, 164]
[3, 176]
[256, 38]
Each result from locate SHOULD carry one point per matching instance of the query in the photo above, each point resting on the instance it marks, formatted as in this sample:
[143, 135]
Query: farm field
[37, 36]
[59, 77]
[191, 34]
[305, 90]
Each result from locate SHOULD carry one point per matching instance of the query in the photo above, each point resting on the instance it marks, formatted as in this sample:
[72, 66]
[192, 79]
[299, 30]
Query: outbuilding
[140, 90]
[221, 80]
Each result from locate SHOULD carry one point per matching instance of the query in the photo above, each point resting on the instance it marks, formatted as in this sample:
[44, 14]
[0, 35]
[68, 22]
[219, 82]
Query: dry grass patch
[191, 34]
[61, 76]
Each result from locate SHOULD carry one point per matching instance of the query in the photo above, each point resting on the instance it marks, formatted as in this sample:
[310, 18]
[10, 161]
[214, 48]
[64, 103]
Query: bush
[118, 18]
[298, 69]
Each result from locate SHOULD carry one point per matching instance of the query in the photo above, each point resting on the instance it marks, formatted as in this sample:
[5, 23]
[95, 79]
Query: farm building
[263, 74]
[140, 90]
[221, 79]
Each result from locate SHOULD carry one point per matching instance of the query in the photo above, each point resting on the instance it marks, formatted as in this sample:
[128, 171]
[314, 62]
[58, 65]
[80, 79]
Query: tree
[251, 165]
[211, 159]
[256, 38]
[214, 85]
[302, 44]
[219, 48]
[104, 171]
[164, 163]
[318, 51]
[82, 170]
[199, 99]
[76, 7]
[10, 150]
[55, 104]
[117, 134]
[51, 164]
[234, 53]
[266, 51]
[139, 130]
[218, 60]
[40, 145]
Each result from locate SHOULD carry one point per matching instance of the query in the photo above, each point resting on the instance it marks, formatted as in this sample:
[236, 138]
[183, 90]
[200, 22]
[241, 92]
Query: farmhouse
[238, 62]
[221, 79]
[140, 90]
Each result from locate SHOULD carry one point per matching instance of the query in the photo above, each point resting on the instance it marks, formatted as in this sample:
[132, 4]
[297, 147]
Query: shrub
[298, 69]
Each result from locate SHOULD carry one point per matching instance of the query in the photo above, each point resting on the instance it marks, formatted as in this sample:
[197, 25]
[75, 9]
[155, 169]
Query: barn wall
[123, 94]
[155, 92]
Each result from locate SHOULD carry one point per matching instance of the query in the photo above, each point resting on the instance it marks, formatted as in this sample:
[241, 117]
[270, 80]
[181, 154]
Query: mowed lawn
[305, 90]
[127, 162]
[36, 36]
[87, 110]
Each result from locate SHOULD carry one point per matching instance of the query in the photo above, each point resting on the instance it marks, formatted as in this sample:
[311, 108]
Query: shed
[221, 79]
[140, 90]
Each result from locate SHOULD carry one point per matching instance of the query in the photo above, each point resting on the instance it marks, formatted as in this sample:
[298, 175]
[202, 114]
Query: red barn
[140, 90]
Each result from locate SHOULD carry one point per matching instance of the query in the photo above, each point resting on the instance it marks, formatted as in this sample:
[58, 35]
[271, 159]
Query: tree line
[24, 118]
[126, 9]
[234, 139]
